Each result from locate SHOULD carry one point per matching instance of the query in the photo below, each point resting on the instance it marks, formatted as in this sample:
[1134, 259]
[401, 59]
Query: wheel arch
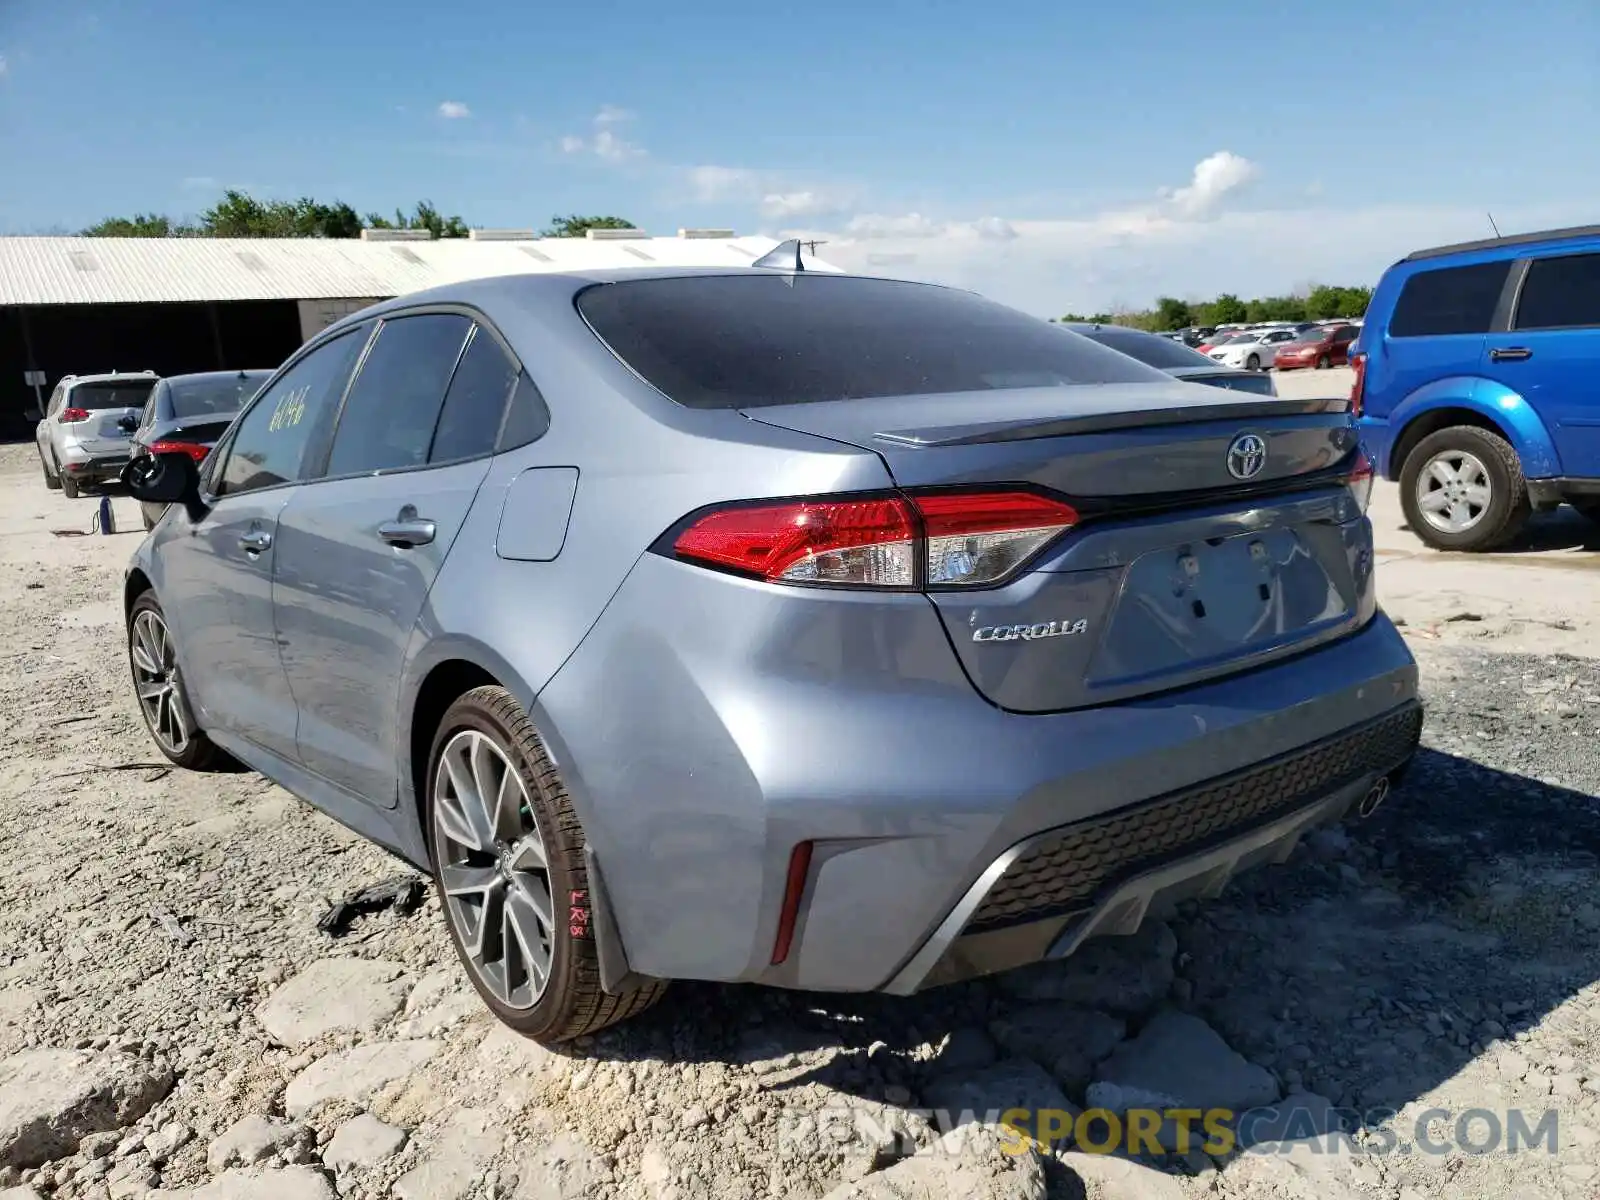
[134, 586]
[1482, 404]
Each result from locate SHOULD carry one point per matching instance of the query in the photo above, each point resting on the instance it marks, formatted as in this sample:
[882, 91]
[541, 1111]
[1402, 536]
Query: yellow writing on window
[289, 410]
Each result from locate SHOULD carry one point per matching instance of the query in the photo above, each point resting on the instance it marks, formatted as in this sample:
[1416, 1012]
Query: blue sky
[1054, 155]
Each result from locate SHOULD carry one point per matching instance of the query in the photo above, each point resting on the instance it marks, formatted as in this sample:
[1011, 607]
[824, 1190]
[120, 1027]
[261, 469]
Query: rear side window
[736, 341]
[1449, 300]
[529, 417]
[393, 406]
[1560, 293]
[475, 403]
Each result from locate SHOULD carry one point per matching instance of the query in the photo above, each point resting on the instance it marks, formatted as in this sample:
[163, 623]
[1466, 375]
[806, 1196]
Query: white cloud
[711, 183]
[1215, 178]
[200, 183]
[606, 143]
[454, 110]
[873, 226]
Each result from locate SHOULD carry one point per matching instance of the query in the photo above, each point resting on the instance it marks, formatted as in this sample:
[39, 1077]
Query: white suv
[87, 431]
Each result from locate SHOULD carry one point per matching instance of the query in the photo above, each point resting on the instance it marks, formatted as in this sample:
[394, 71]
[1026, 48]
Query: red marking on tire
[578, 913]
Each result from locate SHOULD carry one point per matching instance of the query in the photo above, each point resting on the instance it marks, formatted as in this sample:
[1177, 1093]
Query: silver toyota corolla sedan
[774, 626]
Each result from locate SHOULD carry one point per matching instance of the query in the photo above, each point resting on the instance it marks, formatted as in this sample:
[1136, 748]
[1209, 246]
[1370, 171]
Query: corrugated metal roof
[77, 270]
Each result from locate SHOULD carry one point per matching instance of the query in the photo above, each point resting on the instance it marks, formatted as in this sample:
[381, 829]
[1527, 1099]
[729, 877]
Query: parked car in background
[188, 413]
[521, 577]
[1320, 346]
[86, 435]
[1475, 383]
[1253, 351]
[1175, 359]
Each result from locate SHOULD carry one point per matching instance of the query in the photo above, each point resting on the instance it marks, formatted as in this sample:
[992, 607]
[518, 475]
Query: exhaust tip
[1376, 795]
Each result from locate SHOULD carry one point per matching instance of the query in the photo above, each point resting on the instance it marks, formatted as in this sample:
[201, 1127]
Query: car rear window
[738, 341]
[111, 395]
[1148, 348]
[207, 397]
[1258, 382]
[1449, 300]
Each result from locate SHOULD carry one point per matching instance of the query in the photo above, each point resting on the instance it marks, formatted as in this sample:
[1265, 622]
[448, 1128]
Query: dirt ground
[172, 1018]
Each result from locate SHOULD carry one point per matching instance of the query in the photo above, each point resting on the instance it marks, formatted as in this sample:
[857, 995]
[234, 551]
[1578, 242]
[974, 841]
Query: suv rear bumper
[95, 469]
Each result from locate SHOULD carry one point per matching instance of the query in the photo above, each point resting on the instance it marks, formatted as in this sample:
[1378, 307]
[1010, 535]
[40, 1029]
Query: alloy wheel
[493, 869]
[155, 672]
[1453, 491]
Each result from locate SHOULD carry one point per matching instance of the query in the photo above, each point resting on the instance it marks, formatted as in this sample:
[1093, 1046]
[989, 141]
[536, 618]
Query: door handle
[1509, 354]
[255, 541]
[407, 532]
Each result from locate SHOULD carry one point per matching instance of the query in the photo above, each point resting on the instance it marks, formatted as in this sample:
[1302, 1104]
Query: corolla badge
[1247, 454]
[1028, 633]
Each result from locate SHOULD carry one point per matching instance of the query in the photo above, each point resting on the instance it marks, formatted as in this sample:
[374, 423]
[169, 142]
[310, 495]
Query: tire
[172, 716]
[540, 846]
[1324, 363]
[53, 482]
[1497, 520]
[1253, 362]
[69, 485]
[1589, 509]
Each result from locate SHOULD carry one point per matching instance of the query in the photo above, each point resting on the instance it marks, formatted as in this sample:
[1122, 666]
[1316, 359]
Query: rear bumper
[701, 741]
[1047, 895]
[1377, 440]
[94, 468]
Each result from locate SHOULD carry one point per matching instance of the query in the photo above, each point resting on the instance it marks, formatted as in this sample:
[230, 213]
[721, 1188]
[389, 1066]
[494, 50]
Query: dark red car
[1328, 346]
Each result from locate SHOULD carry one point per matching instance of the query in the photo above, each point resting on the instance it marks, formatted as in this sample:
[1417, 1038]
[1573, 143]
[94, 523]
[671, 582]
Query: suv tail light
[193, 449]
[71, 416]
[907, 541]
[1358, 363]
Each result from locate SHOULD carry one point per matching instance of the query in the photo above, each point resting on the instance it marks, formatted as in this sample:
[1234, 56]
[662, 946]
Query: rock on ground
[1107, 1177]
[333, 994]
[290, 1183]
[354, 1074]
[255, 1139]
[363, 1141]
[1178, 1061]
[1069, 1042]
[986, 1094]
[1126, 975]
[455, 1159]
[975, 1162]
[52, 1099]
[562, 1170]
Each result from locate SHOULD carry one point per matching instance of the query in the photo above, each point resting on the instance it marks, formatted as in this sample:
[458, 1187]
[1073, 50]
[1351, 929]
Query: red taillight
[1360, 479]
[193, 449]
[1358, 389]
[794, 890]
[940, 539]
[71, 416]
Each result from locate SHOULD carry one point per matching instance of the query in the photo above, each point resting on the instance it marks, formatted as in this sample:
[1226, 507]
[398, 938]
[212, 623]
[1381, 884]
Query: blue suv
[1478, 383]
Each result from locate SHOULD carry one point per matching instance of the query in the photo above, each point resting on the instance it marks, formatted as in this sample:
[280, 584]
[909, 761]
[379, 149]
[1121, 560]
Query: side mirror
[165, 479]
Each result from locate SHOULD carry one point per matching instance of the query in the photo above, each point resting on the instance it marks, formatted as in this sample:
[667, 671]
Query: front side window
[1449, 300]
[1561, 293]
[756, 339]
[270, 443]
[393, 406]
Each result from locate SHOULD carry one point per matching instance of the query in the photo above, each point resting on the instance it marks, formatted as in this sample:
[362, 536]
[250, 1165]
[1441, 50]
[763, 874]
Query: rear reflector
[932, 539]
[793, 892]
[193, 449]
[71, 416]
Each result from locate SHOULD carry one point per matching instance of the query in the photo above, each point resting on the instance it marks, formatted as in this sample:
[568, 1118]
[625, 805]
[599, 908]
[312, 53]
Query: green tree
[573, 225]
[1172, 313]
[1227, 309]
[426, 216]
[139, 225]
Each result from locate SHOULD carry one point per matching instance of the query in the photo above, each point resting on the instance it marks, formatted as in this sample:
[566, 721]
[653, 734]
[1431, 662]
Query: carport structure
[78, 305]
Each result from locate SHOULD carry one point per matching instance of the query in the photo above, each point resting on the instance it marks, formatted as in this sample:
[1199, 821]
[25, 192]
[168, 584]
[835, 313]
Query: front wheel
[507, 851]
[1462, 488]
[1324, 363]
[1254, 362]
[158, 684]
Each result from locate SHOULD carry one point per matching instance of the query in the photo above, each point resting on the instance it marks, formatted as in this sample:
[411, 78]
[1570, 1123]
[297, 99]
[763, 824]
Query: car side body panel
[1497, 404]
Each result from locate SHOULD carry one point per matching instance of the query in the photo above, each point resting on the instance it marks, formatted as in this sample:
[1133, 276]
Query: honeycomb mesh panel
[1065, 870]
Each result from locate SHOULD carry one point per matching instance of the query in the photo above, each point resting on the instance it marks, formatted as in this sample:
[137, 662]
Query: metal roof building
[77, 305]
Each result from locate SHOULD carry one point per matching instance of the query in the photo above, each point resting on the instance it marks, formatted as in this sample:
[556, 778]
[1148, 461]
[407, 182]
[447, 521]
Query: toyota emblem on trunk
[1247, 454]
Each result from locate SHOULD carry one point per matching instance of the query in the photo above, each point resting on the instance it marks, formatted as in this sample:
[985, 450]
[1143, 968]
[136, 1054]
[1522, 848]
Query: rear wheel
[1324, 363]
[1589, 508]
[69, 485]
[158, 683]
[508, 861]
[1254, 362]
[51, 481]
[1462, 488]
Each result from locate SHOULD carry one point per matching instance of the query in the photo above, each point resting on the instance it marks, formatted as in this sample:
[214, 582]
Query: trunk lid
[109, 430]
[1179, 571]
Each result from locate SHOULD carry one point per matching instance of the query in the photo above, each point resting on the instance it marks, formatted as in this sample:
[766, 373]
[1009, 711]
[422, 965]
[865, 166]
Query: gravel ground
[172, 1018]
